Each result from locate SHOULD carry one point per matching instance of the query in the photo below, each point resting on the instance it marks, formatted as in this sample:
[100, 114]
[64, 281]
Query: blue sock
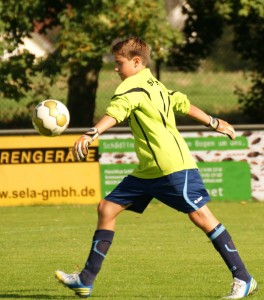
[223, 243]
[102, 241]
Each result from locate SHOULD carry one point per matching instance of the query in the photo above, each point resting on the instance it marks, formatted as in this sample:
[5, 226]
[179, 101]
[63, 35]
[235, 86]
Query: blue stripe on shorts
[183, 190]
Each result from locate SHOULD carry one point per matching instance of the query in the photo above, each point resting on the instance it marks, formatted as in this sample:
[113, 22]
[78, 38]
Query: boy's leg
[221, 240]
[102, 240]
[243, 284]
[82, 283]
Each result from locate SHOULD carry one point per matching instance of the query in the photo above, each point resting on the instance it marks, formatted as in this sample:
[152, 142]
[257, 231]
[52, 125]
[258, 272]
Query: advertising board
[41, 170]
[36, 170]
[231, 170]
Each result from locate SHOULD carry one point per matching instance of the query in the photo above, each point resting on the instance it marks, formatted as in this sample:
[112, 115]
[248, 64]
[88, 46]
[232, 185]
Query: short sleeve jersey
[150, 108]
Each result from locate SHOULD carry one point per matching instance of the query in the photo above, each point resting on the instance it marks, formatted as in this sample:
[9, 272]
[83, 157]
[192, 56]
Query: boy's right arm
[81, 146]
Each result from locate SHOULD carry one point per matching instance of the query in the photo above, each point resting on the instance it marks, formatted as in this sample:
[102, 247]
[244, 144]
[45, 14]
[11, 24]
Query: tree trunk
[82, 86]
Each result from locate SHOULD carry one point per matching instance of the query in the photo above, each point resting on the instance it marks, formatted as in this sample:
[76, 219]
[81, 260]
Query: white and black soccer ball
[50, 117]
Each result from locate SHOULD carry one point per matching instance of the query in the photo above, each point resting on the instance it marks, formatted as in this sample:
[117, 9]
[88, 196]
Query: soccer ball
[50, 117]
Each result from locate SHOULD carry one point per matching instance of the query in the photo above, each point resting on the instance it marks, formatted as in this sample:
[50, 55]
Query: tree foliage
[248, 21]
[203, 26]
[87, 29]
[205, 21]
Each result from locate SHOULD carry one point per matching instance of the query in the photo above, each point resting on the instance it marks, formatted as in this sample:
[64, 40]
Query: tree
[16, 70]
[204, 24]
[87, 29]
[248, 21]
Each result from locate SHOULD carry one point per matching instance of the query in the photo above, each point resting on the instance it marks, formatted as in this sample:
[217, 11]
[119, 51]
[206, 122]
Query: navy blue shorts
[183, 190]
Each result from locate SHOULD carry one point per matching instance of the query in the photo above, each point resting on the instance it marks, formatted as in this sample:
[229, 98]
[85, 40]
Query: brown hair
[132, 47]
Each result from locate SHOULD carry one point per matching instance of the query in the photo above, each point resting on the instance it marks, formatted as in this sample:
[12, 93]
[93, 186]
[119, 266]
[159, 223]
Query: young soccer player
[166, 169]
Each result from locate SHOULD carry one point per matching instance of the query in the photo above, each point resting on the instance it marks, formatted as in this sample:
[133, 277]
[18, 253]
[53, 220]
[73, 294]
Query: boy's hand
[80, 149]
[222, 127]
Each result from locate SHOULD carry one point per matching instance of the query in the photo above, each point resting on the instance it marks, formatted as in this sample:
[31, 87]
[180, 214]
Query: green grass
[157, 255]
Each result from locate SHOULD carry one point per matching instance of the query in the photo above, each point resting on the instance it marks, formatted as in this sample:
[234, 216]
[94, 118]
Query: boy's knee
[101, 207]
[204, 219]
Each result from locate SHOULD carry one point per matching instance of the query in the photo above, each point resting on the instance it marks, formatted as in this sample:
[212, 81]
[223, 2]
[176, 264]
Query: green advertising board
[225, 181]
[112, 174]
[216, 143]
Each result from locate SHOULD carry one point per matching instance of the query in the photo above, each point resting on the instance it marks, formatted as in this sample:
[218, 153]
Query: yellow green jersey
[150, 108]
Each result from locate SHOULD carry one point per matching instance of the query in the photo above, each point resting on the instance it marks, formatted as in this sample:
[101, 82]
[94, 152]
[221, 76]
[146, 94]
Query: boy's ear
[136, 60]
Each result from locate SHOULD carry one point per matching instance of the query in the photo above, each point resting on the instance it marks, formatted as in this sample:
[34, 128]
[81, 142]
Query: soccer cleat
[241, 289]
[73, 282]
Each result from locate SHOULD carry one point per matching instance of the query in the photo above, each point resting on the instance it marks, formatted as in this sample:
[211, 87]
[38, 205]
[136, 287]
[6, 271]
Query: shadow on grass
[21, 295]
[29, 294]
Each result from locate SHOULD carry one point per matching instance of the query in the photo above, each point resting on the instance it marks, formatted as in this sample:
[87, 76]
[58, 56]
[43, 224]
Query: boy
[167, 173]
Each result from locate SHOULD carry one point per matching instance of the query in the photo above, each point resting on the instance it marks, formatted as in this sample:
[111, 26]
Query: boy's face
[124, 67]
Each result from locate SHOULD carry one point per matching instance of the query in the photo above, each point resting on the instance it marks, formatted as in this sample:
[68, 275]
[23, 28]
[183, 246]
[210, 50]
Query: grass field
[213, 92]
[157, 255]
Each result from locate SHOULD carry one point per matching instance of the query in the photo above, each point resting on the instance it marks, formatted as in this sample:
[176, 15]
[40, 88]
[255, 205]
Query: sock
[102, 240]
[223, 243]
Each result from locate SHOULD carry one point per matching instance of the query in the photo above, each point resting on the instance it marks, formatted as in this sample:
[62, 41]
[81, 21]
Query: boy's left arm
[214, 123]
